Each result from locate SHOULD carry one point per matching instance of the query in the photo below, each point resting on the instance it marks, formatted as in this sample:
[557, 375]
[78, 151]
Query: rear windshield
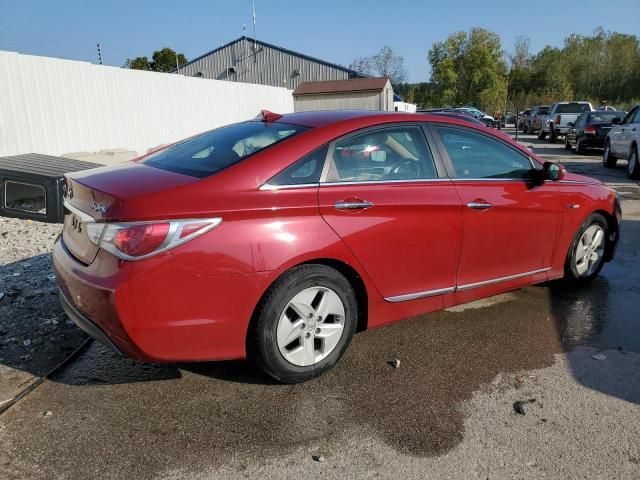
[218, 149]
[606, 116]
[573, 108]
[543, 110]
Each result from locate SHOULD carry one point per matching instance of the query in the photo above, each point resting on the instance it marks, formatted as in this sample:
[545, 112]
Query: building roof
[338, 86]
[275, 47]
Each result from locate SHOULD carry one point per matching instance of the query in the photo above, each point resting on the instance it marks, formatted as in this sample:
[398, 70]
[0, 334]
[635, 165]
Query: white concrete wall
[53, 106]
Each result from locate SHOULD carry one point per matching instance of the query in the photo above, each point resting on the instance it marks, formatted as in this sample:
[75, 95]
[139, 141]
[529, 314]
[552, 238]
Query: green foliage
[597, 67]
[161, 61]
[468, 68]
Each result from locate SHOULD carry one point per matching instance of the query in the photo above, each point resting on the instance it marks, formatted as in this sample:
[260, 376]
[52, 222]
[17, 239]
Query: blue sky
[336, 31]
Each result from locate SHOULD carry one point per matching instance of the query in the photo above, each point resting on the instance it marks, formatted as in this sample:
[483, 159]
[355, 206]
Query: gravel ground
[35, 333]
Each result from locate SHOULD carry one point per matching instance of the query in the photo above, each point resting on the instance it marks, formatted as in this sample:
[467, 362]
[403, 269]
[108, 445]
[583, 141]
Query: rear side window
[306, 170]
[218, 149]
[477, 156]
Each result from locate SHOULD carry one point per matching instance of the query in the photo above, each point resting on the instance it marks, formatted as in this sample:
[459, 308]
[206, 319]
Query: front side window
[477, 156]
[393, 153]
[218, 149]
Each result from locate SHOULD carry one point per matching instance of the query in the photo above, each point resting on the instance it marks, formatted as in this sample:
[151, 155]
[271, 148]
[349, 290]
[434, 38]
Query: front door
[403, 221]
[510, 224]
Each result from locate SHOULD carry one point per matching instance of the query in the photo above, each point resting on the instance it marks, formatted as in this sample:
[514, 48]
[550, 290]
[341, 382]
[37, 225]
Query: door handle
[479, 205]
[352, 205]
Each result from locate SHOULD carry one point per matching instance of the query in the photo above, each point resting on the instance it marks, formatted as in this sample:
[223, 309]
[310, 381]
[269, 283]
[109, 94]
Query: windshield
[213, 151]
[573, 108]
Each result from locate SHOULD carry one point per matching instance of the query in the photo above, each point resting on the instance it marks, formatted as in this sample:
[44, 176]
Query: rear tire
[585, 258]
[633, 169]
[608, 160]
[294, 307]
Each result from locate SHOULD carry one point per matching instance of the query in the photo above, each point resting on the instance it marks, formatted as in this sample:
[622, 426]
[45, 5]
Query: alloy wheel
[590, 250]
[310, 326]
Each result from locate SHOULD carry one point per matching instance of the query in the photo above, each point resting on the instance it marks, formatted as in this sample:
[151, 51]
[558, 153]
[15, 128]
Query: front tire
[567, 145]
[553, 136]
[304, 324]
[585, 258]
[580, 150]
[608, 160]
[633, 169]
[541, 135]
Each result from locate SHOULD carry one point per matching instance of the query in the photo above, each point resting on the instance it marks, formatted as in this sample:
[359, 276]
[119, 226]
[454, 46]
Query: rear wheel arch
[351, 275]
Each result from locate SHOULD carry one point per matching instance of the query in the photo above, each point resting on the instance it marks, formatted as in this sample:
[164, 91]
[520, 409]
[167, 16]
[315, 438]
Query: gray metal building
[249, 61]
[373, 93]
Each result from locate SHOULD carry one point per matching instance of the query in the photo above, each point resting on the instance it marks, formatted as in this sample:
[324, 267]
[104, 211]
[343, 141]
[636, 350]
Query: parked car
[623, 141]
[555, 123]
[590, 129]
[533, 121]
[276, 239]
[467, 117]
[522, 117]
[488, 120]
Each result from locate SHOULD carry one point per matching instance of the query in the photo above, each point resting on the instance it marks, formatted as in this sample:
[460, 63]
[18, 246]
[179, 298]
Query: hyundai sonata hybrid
[276, 239]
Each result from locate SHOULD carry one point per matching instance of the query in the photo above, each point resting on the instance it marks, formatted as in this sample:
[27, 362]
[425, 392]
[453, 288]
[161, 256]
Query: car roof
[328, 117]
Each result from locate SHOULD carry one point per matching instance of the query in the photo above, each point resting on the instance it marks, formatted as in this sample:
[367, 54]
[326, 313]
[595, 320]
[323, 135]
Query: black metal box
[32, 185]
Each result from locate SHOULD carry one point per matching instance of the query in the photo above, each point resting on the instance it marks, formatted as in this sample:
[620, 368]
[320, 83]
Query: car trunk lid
[93, 195]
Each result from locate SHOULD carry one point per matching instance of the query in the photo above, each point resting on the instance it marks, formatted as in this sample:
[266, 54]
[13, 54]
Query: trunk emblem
[98, 207]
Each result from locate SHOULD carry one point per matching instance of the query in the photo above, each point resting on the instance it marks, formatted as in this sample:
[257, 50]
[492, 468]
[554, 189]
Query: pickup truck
[555, 123]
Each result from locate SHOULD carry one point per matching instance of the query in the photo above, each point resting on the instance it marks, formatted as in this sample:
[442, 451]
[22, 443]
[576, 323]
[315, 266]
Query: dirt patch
[35, 333]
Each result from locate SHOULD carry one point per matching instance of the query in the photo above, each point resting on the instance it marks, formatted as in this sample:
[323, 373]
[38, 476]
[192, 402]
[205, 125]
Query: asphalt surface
[447, 411]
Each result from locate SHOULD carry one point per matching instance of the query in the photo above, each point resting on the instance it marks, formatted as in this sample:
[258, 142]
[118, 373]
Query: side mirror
[616, 121]
[553, 171]
[569, 124]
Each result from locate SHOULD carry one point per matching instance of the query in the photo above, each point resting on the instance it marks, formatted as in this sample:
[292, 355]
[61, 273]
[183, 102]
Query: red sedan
[277, 238]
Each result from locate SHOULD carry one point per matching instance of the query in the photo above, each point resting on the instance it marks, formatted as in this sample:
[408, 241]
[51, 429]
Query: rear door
[393, 206]
[510, 224]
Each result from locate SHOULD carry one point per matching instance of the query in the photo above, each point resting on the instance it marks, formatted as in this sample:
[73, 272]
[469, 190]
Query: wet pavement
[114, 418]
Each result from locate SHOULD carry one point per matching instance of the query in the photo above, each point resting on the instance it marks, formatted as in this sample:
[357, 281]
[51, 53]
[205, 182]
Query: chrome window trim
[6, 207]
[459, 288]
[268, 186]
[382, 182]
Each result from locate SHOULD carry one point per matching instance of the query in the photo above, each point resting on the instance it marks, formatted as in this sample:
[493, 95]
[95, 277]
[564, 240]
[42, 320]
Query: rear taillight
[138, 240]
[557, 119]
[590, 130]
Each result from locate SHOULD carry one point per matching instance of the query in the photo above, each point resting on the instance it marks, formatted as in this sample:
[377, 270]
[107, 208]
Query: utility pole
[99, 54]
[255, 47]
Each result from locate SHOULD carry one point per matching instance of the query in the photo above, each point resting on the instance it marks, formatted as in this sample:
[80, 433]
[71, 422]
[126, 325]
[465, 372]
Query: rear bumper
[86, 324]
[157, 309]
[591, 141]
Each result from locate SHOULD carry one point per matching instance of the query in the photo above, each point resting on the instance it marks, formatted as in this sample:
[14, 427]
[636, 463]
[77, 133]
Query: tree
[162, 61]
[469, 68]
[138, 63]
[385, 63]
